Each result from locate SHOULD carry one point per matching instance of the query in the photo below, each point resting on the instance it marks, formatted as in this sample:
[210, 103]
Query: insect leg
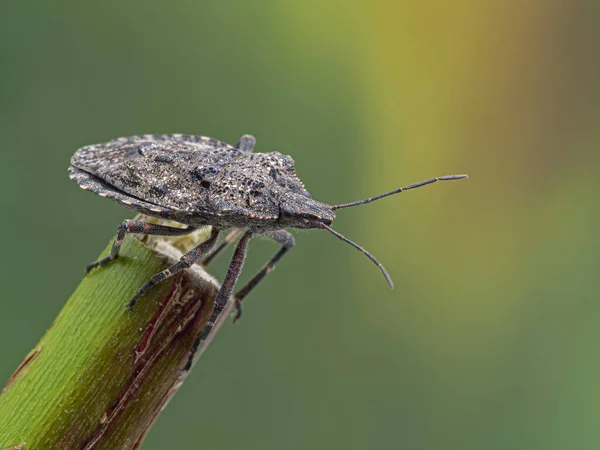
[186, 261]
[133, 226]
[246, 143]
[222, 246]
[287, 241]
[235, 267]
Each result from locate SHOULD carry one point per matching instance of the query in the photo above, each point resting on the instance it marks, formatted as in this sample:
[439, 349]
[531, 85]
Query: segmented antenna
[397, 191]
[359, 248]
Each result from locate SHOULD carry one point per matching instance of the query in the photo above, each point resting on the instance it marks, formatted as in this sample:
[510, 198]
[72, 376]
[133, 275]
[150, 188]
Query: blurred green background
[490, 339]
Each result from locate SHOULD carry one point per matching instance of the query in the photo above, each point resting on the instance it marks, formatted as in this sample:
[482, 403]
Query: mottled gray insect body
[199, 181]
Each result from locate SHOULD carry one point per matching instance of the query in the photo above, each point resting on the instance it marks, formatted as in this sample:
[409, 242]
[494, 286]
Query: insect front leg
[134, 226]
[287, 242]
[235, 267]
[187, 260]
[246, 143]
[222, 246]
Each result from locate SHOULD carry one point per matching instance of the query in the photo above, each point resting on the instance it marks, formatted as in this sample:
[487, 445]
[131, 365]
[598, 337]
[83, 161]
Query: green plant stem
[101, 374]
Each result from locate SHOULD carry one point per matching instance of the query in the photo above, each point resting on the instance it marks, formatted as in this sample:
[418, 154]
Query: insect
[199, 181]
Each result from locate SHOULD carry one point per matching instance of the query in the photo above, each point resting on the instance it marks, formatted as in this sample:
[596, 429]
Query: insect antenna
[359, 248]
[397, 191]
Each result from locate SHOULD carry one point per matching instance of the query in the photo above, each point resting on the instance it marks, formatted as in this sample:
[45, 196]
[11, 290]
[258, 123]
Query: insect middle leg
[235, 268]
[287, 241]
[136, 227]
[186, 261]
[222, 246]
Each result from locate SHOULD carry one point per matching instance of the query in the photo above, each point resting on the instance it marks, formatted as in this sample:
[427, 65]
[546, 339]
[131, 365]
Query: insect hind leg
[246, 143]
[137, 227]
[286, 239]
[235, 268]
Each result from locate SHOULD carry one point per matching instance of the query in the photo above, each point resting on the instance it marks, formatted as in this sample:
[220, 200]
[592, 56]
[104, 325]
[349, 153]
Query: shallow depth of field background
[490, 339]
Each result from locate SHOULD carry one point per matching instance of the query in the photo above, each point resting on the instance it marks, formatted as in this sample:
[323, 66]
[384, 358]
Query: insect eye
[288, 210]
[306, 193]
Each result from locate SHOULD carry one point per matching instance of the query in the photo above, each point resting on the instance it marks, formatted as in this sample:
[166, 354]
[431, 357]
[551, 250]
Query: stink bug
[199, 181]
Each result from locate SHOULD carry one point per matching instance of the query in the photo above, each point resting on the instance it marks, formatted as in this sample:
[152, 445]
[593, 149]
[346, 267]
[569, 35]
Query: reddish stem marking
[28, 360]
[163, 308]
[187, 316]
